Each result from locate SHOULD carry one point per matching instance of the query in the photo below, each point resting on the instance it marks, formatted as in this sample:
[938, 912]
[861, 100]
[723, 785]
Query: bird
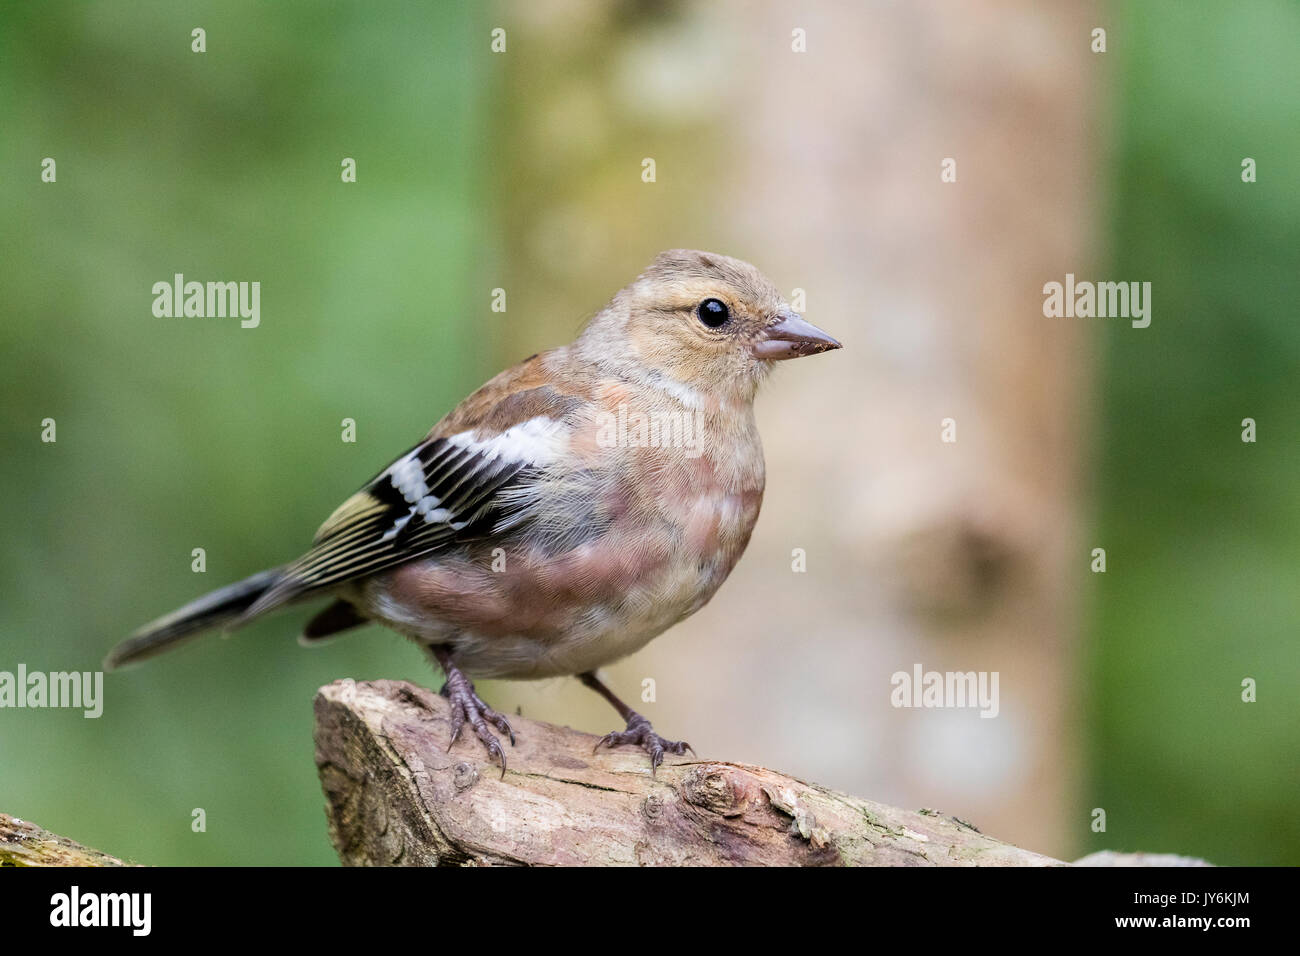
[563, 515]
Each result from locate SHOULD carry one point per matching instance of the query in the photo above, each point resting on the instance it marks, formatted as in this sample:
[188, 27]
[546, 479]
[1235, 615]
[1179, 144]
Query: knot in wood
[726, 791]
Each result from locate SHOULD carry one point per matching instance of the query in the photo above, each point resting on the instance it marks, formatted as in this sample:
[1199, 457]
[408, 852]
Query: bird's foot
[640, 732]
[468, 707]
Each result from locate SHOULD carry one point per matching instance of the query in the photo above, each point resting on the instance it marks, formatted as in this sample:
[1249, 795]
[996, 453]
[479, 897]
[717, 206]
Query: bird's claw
[642, 734]
[468, 707]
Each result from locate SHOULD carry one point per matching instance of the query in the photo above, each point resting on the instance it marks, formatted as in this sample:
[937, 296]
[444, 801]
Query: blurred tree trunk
[823, 168]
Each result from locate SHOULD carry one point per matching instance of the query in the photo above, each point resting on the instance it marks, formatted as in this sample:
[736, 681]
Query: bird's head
[703, 321]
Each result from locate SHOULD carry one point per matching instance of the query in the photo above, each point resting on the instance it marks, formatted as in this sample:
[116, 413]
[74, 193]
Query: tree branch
[23, 843]
[395, 796]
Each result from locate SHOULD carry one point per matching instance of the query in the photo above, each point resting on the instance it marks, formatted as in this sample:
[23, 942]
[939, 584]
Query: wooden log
[23, 843]
[395, 795]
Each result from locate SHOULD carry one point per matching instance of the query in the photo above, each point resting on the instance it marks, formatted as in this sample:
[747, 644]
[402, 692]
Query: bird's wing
[465, 480]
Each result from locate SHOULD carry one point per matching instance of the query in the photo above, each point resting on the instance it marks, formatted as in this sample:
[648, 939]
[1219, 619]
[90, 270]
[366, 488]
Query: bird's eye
[713, 313]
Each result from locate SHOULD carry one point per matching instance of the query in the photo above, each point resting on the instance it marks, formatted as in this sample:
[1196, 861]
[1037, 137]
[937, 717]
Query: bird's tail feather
[219, 608]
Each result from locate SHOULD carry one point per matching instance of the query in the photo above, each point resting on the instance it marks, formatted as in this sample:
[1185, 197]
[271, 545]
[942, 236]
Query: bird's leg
[467, 706]
[638, 731]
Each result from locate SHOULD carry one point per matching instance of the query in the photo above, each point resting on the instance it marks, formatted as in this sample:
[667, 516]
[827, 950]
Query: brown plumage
[567, 512]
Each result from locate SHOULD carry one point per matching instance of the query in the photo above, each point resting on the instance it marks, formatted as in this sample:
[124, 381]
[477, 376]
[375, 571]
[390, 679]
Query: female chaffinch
[573, 508]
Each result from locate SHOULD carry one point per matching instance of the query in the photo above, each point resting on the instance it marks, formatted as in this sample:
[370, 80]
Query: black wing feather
[438, 493]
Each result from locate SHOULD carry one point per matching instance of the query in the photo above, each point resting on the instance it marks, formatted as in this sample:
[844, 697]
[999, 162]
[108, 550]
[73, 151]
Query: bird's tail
[220, 608]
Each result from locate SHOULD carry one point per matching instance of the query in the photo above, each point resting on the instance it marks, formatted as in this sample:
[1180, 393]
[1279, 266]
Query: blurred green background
[176, 434]
[1204, 592]
[197, 433]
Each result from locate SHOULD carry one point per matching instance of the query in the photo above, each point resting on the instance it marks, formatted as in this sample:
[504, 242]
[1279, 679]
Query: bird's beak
[791, 337]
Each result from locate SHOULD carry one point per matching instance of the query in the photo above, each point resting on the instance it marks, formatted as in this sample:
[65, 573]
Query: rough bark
[396, 796]
[23, 843]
